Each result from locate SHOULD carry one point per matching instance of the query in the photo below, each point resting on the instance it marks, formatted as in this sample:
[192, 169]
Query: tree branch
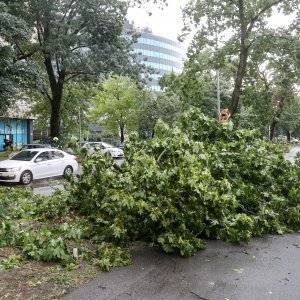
[261, 12]
[23, 55]
[75, 74]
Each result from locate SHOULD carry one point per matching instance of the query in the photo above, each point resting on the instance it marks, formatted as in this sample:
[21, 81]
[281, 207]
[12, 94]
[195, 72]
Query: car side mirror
[39, 159]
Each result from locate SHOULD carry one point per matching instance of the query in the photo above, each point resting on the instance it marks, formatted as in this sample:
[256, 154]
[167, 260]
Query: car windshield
[24, 155]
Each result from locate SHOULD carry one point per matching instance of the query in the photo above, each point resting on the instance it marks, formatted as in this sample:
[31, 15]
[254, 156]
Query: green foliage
[48, 229]
[111, 256]
[12, 30]
[196, 85]
[73, 40]
[13, 261]
[200, 178]
[236, 30]
[116, 105]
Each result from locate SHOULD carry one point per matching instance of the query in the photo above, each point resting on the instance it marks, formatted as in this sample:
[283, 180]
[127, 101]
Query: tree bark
[56, 86]
[272, 129]
[235, 97]
[55, 114]
[288, 136]
[278, 101]
[239, 80]
[122, 134]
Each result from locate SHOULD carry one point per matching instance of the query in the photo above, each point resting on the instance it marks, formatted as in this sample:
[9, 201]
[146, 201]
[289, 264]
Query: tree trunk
[55, 115]
[56, 86]
[288, 136]
[272, 129]
[278, 102]
[122, 134]
[239, 80]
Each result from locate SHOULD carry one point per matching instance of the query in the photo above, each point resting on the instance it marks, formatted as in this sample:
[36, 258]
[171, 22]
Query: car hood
[13, 163]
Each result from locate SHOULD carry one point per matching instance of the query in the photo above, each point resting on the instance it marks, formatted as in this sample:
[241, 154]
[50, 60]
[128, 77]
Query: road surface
[266, 268]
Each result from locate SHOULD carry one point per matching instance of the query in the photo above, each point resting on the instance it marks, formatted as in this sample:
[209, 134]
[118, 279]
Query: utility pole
[218, 93]
[218, 75]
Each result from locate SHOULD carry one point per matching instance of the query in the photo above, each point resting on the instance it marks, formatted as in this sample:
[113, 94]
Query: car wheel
[68, 171]
[26, 177]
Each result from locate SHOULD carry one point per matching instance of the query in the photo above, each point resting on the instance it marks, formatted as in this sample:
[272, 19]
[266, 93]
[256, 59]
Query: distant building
[16, 127]
[161, 54]
[15, 132]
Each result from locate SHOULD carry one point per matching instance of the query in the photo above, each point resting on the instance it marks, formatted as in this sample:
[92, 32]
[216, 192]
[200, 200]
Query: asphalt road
[266, 268]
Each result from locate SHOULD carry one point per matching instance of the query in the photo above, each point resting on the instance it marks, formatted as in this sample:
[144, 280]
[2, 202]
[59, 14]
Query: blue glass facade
[17, 131]
[161, 54]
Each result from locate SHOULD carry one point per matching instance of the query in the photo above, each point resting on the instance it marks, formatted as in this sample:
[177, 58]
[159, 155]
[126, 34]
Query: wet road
[266, 268]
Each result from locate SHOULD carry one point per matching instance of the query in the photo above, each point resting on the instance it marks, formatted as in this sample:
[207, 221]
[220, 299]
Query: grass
[41, 280]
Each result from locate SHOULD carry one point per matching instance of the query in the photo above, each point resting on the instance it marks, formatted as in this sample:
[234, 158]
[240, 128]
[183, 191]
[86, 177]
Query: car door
[58, 162]
[42, 165]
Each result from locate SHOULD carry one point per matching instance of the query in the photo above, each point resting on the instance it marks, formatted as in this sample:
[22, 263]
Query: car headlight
[13, 169]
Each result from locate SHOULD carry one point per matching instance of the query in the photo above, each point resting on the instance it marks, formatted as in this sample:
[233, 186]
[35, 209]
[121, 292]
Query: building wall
[162, 54]
[18, 130]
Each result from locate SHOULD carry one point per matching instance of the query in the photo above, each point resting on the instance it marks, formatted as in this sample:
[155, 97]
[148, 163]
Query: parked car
[104, 147]
[38, 163]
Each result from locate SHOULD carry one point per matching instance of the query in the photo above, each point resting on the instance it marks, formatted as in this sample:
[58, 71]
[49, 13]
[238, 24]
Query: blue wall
[19, 129]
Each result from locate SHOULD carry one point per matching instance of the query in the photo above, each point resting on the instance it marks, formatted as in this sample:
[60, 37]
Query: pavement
[266, 268]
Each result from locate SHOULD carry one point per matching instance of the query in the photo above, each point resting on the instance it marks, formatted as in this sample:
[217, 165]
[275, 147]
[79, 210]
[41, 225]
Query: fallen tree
[199, 179]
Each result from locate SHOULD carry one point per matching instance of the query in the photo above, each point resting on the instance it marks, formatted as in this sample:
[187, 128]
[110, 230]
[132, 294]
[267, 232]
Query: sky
[168, 22]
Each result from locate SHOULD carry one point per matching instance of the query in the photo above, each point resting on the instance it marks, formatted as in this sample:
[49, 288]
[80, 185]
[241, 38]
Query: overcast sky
[168, 22]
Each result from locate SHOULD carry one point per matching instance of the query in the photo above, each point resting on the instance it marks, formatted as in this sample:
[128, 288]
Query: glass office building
[161, 54]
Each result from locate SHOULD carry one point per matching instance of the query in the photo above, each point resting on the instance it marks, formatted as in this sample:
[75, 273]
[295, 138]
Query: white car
[104, 147]
[31, 164]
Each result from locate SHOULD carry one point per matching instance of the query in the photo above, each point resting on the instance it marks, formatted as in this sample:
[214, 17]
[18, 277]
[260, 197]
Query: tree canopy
[72, 40]
[116, 105]
[232, 28]
[12, 29]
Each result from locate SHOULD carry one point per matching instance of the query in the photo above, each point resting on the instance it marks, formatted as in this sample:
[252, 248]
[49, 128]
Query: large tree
[270, 88]
[72, 40]
[116, 106]
[244, 21]
[197, 86]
